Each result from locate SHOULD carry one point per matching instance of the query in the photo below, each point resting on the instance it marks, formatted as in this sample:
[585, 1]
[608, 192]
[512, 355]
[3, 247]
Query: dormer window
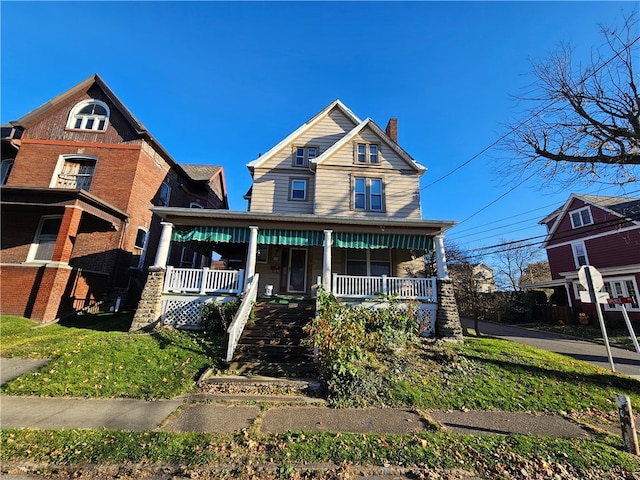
[89, 115]
[303, 155]
[581, 217]
[367, 153]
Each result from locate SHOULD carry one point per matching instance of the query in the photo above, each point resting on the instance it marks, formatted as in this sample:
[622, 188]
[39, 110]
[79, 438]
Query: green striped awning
[382, 240]
[298, 238]
[212, 234]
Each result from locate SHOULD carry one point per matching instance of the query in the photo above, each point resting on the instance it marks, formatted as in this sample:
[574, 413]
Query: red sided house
[79, 175]
[603, 232]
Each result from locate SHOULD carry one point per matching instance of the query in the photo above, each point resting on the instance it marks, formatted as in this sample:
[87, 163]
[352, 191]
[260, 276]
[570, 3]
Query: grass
[94, 357]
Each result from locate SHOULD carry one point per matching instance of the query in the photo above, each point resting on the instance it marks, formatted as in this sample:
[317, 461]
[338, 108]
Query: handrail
[242, 316]
[203, 281]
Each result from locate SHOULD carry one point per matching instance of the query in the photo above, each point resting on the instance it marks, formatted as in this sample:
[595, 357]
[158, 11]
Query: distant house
[336, 203]
[600, 231]
[483, 278]
[79, 174]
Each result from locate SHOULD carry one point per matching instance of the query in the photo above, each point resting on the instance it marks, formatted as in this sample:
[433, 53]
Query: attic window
[303, 155]
[367, 153]
[581, 217]
[89, 115]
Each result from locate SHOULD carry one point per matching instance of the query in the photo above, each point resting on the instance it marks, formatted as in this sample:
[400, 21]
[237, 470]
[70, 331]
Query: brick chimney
[392, 129]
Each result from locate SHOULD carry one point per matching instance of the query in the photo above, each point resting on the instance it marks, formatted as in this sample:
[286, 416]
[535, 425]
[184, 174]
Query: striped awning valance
[304, 238]
[382, 240]
[212, 234]
[299, 238]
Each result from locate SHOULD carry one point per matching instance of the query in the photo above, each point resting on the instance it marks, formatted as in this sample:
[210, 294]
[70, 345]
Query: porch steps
[270, 345]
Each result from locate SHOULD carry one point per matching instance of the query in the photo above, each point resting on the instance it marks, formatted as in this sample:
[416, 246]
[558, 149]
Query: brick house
[78, 176]
[600, 231]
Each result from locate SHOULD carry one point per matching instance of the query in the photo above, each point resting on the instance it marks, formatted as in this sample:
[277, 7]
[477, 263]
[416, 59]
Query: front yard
[97, 357]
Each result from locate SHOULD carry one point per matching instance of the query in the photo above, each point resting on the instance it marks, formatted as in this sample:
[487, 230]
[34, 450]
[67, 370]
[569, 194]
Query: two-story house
[600, 231]
[336, 203]
[79, 174]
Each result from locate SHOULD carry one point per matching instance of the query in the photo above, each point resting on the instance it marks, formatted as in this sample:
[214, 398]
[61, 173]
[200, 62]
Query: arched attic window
[89, 115]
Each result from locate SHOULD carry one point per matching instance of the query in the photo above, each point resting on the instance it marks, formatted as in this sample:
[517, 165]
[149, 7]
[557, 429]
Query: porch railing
[241, 317]
[358, 286]
[203, 281]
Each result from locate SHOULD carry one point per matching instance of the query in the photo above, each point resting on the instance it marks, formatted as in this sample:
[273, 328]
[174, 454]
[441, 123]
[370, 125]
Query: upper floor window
[89, 115]
[303, 155]
[579, 254]
[75, 172]
[45, 238]
[367, 153]
[581, 217]
[5, 170]
[298, 189]
[165, 194]
[368, 194]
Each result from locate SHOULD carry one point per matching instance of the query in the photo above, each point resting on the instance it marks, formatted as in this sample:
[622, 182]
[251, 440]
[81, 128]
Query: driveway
[626, 361]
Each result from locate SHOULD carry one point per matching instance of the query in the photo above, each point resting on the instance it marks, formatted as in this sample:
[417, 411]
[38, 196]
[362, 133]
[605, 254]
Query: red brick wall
[18, 229]
[18, 286]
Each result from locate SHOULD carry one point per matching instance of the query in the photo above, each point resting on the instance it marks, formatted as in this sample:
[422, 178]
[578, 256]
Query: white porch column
[252, 253]
[441, 258]
[326, 261]
[163, 246]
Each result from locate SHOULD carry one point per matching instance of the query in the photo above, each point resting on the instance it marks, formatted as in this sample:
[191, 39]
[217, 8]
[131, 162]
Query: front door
[297, 270]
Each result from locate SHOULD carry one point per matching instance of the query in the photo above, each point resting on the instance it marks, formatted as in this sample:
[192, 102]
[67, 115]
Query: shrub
[352, 341]
[217, 316]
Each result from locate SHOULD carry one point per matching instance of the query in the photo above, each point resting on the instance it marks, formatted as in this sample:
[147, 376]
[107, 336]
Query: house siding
[271, 192]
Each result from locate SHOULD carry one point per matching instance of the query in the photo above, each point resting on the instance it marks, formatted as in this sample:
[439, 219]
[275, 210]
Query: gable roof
[303, 128]
[139, 128]
[627, 208]
[201, 173]
[382, 135]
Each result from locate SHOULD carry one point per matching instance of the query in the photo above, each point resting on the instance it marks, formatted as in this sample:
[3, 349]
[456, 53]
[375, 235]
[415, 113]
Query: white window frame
[302, 155]
[574, 250]
[84, 118]
[624, 292]
[62, 159]
[5, 169]
[368, 194]
[364, 156]
[292, 182]
[367, 260]
[37, 238]
[141, 248]
[164, 195]
[577, 217]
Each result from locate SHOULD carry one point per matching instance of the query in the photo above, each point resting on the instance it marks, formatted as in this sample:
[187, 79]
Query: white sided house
[334, 204]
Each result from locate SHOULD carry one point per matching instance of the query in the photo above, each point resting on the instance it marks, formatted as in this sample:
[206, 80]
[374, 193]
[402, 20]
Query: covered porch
[355, 259]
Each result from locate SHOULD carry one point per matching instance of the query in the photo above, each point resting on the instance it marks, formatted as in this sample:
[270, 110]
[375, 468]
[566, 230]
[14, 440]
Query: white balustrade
[242, 315]
[203, 281]
[357, 286]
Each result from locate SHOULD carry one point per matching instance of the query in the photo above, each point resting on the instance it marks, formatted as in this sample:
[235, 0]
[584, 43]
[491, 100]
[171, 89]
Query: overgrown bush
[217, 316]
[353, 343]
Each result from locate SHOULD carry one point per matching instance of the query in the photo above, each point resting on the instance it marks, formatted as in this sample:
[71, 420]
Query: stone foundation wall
[448, 326]
[150, 305]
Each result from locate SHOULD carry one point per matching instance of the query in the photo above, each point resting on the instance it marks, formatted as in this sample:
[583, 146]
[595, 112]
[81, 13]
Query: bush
[217, 316]
[351, 342]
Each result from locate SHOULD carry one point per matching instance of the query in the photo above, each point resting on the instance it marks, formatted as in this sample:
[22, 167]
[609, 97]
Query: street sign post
[591, 279]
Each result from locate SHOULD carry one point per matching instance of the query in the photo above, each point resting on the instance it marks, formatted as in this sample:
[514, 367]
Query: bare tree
[512, 262]
[584, 120]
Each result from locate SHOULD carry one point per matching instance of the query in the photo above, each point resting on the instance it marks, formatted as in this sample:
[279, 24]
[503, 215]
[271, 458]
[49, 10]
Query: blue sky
[221, 82]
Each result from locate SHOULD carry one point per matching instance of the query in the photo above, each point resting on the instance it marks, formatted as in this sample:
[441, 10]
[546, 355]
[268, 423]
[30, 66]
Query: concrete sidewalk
[215, 416]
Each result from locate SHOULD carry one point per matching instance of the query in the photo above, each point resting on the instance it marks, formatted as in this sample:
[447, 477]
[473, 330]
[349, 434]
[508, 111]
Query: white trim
[69, 157]
[574, 247]
[625, 293]
[592, 237]
[578, 211]
[606, 271]
[300, 130]
[35, 244]
[74, 115]
[305, 190]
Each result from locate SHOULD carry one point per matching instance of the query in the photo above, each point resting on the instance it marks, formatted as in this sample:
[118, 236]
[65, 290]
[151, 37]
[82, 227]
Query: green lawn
[96, 357]
[618, 335]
